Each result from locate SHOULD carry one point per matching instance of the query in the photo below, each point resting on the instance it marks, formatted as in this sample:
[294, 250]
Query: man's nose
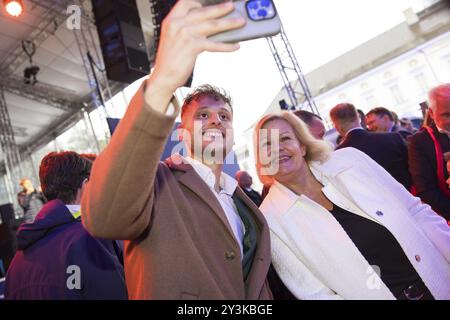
[214, 119]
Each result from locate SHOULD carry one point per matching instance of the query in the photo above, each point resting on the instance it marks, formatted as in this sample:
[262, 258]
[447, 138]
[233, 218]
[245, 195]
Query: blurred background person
[407, 124]
[382, 120]
[30, 200]
[245, 181]
[339, 220]
[426, 151]
[314, 123]
[397, 125]
[389, 150]
[362, 118]
[57, 259]
[363, 123]
[427, 120]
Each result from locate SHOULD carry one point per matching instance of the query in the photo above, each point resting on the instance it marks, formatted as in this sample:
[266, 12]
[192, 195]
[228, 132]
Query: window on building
[397, 94]
[413, 63]
[422, 82]
[243, 154]
[364, 86]
[371, 100]
[342, 96]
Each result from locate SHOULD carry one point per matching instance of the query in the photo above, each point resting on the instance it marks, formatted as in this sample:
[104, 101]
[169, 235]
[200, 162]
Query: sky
[318, 30]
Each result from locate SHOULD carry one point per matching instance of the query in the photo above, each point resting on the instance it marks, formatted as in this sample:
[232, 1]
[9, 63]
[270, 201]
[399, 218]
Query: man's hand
[184, 35]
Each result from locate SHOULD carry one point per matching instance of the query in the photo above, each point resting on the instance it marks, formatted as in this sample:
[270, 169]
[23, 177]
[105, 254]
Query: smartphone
[262, 20]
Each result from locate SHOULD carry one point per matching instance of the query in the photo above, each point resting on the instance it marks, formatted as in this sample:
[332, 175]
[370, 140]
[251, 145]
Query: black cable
[97, 84]
[91, 60]
[31, 53]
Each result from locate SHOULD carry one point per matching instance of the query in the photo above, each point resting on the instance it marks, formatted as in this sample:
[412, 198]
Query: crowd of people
[364, 220]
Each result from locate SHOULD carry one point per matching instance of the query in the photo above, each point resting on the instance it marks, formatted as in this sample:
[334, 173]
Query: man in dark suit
[245, 181]
[314, 123]
[382, 120]
[427, 150]
[389, 150]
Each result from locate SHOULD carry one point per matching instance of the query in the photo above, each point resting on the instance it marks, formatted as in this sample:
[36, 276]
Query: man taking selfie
[191, 232]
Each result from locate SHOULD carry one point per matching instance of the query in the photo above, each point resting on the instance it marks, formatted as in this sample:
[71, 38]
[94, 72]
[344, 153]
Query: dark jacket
[401, 131]
[423, 168]
[48, 250]
[254, 196]
[389, 150]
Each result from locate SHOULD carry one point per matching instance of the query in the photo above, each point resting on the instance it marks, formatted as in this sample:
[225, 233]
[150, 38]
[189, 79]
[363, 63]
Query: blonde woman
[341, 226]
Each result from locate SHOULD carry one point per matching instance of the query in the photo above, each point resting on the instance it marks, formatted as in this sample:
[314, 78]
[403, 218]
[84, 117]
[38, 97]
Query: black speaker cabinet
[7, 234]
[121, 39]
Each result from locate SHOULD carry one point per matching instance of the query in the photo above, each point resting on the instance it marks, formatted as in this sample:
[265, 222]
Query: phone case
[212, 2]
[252, 29]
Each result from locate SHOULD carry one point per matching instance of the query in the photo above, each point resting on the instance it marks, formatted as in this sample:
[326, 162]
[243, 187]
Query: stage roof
[42, 111]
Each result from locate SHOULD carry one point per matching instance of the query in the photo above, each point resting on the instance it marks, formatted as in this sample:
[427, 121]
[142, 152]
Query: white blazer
[314, 256]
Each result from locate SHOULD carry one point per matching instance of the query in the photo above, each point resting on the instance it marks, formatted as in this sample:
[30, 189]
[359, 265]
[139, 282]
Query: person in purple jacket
[57, 258]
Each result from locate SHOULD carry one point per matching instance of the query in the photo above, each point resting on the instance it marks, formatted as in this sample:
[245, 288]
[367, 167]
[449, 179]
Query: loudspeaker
[160, 9]
[7, 235]
[121, 39]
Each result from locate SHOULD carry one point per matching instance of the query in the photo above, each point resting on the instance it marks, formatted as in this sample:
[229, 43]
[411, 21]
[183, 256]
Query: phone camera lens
[253, 5]
[260, 10]
[262, 13]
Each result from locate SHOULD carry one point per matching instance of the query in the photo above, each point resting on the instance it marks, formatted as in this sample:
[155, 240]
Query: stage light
[30, 75]
[13, 7]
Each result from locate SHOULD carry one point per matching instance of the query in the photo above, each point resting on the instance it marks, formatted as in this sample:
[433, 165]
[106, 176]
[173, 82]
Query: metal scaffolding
[93, 64]
[14, 171]
[41, 92]
[294, 81]
[48, 23]
[74, 106]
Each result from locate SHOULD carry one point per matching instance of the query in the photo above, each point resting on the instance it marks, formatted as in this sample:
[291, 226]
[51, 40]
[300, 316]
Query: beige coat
[180, 245]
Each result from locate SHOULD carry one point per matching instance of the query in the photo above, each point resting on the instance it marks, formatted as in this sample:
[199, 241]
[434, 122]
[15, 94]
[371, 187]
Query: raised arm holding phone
[191, 232]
